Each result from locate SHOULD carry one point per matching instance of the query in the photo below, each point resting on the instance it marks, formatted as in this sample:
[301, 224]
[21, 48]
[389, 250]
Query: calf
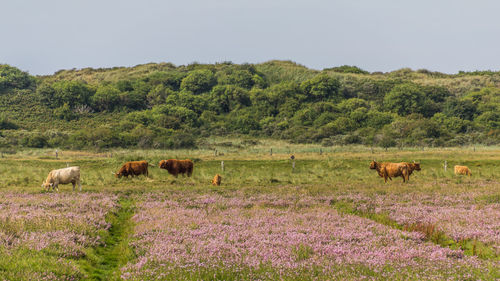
[216, 180]
[462, 170]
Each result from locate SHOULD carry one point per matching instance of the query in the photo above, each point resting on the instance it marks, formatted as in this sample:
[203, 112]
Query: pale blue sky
[441, 35]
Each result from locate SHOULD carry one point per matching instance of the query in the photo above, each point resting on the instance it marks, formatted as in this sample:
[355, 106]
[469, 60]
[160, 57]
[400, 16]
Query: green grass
[104, 262]
[28, 264]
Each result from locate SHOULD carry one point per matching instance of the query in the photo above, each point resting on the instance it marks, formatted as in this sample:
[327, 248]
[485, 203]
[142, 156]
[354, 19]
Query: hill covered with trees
[168, 106]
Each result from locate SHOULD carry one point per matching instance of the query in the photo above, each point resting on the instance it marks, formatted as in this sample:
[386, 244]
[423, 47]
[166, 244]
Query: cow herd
[175, 167]
[131, 168]
[389, 170]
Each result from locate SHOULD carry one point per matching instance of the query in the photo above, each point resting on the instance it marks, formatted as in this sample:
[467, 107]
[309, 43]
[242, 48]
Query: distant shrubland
[168, 106]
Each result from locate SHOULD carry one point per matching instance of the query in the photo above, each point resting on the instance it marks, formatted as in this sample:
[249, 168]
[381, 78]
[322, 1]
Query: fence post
[320, 151]
[222, 165]
[293, 165]
[215, 152]
[56, 153]
[445, 165]
[271, 152]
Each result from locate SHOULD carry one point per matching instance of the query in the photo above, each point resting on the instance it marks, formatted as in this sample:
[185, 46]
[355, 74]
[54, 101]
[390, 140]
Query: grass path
[104, 262]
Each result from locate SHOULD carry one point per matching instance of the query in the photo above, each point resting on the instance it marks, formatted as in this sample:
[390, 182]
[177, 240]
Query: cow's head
[47, 185]
[373, 164]
[416, 166]
[163, 164]
[118, 175]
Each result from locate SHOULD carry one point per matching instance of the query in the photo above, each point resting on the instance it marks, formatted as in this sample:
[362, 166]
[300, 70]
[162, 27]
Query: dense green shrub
[199, 81]
[13, 78]
[64, 112]
[70, 92]
[7, 124]
[348, 69]
[321, 88]
[34, 140]
[106, 98]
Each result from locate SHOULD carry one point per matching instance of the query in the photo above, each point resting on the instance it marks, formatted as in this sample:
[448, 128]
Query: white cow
[63, 176]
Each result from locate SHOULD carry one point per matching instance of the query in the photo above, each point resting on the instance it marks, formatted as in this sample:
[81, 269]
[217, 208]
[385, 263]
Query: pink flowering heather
[460, 216]
[285, 234]
[67, 222]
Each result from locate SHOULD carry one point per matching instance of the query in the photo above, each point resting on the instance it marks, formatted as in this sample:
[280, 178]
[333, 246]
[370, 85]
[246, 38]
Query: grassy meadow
[329, 218]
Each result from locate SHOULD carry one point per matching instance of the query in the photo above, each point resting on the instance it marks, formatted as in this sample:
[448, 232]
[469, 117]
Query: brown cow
[133, 168]
[216, 180]
[388, 170]
[176, 167]
[462, 170]
[412, 167]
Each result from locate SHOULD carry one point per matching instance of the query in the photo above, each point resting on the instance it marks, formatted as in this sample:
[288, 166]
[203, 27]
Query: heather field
[329, 218]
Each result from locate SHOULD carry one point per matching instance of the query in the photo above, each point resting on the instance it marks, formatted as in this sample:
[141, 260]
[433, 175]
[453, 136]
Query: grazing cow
[133, 168]
[176, 167]
[63, 176]
[388, 170]
[412, 167]
[216, 180]
[462, 170]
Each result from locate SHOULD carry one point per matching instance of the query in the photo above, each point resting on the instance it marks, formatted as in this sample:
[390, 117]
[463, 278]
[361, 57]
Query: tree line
[166, 106]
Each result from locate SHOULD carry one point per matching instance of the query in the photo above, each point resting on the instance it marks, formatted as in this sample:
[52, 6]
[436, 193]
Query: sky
[42, 37]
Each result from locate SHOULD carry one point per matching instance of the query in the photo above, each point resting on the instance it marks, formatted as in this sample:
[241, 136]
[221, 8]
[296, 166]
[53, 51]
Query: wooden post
[293, 165]
[56, 153]
[215, 152]
[271, 152]
[222, 165]
[445, 165]
[320, 151]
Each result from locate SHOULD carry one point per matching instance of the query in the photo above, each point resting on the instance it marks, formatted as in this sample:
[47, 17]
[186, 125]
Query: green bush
[35, 141]
[70, 92]
[65, 113]
[7, 124]
[322, 88]
[14, 78]
[106, 98]
[199, 81]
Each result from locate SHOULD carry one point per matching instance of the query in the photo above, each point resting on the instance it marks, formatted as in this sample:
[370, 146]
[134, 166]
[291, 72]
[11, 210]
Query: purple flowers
[283, 233]
[62, 221]
[460, 217]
